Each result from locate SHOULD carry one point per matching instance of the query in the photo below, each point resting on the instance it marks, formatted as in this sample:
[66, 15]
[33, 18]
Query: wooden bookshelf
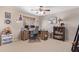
[59, 33]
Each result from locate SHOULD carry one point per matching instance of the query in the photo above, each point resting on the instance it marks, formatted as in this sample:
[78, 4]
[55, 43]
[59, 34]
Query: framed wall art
[55, 20]
[7, 21]
[7, 17]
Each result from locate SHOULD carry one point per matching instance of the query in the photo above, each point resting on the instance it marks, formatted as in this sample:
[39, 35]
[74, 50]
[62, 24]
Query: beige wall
[14, 16]
[71, 20]
[70, 17]
[15, 25]
[45, 25]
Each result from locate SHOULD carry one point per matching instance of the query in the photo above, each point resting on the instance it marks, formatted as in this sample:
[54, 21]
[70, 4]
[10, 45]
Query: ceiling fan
[42, 9]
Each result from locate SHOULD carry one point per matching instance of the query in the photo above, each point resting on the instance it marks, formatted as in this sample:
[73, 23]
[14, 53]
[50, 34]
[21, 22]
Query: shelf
[59, 33]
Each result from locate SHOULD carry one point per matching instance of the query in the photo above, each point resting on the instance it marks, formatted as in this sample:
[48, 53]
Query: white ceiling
[54, 9]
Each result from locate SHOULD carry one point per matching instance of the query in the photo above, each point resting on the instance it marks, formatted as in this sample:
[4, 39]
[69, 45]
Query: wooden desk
[24, 35]
[44, 35]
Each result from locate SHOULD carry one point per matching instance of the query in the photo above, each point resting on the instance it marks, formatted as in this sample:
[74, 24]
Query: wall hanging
[55, 20]
[20, 17]
[7, 17]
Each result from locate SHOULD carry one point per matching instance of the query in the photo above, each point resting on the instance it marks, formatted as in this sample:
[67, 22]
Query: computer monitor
[26, 26]
[32, 26]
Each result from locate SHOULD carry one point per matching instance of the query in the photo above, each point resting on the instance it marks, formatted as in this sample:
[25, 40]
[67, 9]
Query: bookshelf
[59, 33]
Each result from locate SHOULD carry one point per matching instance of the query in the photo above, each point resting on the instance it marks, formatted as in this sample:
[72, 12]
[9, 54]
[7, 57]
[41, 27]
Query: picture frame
[8, 15]
[55, 20]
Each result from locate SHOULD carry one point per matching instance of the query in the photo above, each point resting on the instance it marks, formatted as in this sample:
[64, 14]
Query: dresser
[6, 39]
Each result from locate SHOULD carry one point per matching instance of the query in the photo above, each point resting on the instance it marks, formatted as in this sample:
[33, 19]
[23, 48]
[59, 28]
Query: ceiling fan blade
[47, 10]
[40, 6]
[34, 9]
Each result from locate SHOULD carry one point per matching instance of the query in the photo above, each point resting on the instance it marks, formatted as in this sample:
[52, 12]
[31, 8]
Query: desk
[24, 35]
[44, 35]
[41, 34]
